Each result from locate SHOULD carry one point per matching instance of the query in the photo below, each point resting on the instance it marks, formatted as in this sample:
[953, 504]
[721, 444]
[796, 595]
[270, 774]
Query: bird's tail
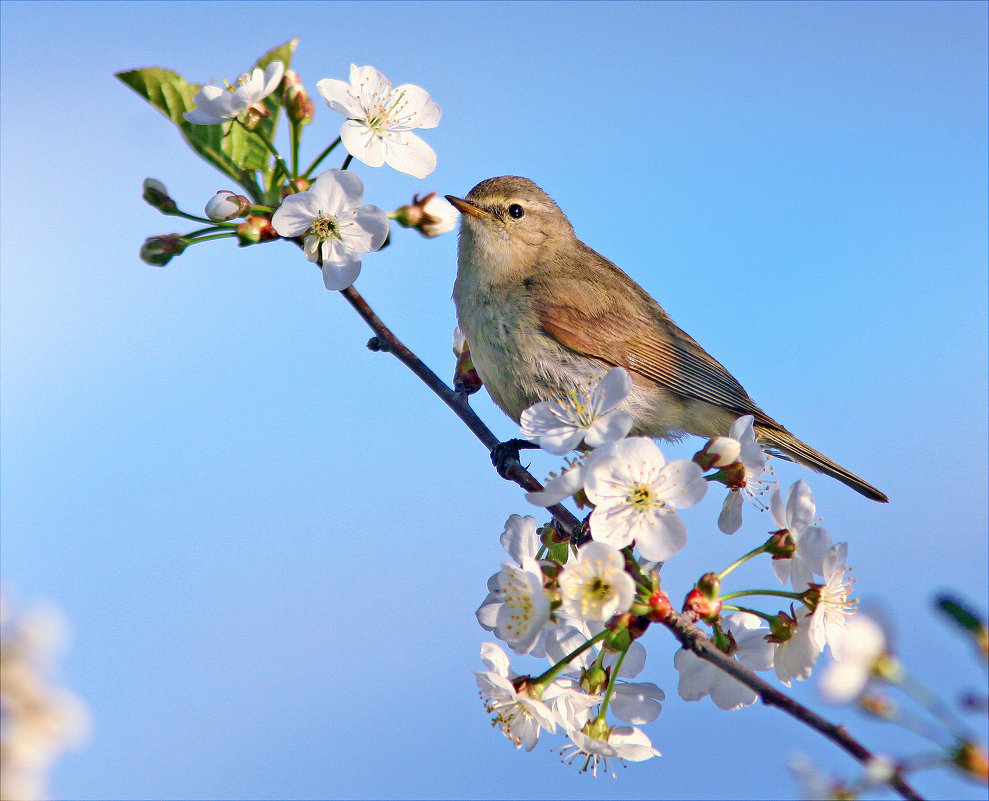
[790, 447]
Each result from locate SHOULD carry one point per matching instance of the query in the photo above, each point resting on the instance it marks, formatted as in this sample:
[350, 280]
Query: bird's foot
[506, 454]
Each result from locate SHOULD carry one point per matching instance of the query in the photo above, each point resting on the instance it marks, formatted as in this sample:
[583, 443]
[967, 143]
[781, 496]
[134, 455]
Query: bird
[545, 315]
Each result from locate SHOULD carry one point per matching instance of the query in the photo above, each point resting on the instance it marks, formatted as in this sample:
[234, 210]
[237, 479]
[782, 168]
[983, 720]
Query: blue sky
[270, 542]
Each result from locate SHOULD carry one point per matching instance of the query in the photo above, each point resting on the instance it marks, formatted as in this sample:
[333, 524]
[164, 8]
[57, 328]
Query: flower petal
[411, 155]
[337, 95]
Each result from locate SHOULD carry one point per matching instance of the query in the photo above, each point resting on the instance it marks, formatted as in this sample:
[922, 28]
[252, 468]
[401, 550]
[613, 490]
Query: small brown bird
[545, 314]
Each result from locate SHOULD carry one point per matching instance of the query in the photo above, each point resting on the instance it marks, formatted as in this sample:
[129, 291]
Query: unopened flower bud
[594, 679]
[699, 606]
[159, 250]
[300, 184]
[430, 215]
[254, 230]
[226, 205]
[290, 78]
[465, 377]
[155, 193]
[719, 452]
[298, 104]
[660, 608]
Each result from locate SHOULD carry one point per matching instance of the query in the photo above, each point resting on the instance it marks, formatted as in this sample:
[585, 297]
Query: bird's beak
[466, 207]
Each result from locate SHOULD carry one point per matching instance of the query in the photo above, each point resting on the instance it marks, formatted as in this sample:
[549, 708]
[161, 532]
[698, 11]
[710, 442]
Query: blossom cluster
[584, 607]
[325, 213]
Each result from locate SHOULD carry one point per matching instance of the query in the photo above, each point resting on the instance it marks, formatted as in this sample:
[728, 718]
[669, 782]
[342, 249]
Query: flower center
[325, 226]
[641, 497]
[598, 590]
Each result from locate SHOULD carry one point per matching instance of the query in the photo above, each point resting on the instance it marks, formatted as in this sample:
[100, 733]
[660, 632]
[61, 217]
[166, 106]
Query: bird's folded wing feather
[629, 329]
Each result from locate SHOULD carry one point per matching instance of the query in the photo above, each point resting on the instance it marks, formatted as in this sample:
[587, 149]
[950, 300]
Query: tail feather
[800, 452]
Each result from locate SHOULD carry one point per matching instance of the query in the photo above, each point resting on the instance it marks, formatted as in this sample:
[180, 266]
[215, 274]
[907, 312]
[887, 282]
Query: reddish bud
[719, 452]
[254, 230]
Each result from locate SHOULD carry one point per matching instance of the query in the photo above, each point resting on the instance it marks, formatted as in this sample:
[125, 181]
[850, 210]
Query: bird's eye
[516, 211]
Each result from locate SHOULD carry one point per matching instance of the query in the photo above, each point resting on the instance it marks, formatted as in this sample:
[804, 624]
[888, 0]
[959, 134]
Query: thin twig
[569, 524]
[683, 629]
[693, 639]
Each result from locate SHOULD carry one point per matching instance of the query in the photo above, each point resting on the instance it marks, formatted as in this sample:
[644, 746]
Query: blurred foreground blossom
[38, 721]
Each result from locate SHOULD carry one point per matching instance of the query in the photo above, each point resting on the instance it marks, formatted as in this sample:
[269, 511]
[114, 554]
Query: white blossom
[636, 493]
[752, 485]
[594, 584]
[622, 743]
[812, 542]
[699, 677]
[215, 104]
[833, 607]
[559, 425]
[519, 715]
[337, 229]
[381, 118]
[859, 648]
[516, 609]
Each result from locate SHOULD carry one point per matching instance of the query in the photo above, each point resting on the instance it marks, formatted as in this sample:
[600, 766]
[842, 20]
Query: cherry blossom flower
[559, 425]
[699, 678]
[622, 743]
[812, 542]
[594, 585]
[832, 606]
[381, 118]
[516, 608]
[636, 492]
[751, 484]
[215, 104]
[795, 657]
[336, 228]
[518, 714]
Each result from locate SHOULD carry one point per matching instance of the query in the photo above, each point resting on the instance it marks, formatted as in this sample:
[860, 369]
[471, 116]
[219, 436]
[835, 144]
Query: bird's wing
[629, 329]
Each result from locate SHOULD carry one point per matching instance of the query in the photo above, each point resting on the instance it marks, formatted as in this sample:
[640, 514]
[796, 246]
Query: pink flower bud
[254, 230]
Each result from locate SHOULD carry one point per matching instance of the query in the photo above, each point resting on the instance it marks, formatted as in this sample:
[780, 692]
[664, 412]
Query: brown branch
[385, 340]
[693, 639]
[683, 629]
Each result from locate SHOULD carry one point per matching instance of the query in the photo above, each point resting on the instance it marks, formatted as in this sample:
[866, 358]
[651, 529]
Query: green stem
[742, 560]
[611, 684]
[320, 157]
[549, 675]
[346, 161]
[279, 161]
[755, 612]
[295, 138]
[224, 235]
[263, 209]
[211, 229]
[793, 596]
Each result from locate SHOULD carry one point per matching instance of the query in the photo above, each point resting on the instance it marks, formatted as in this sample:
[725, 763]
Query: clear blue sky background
[270, 542]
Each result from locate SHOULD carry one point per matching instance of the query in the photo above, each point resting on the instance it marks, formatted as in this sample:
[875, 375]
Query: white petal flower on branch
[699, 677]
[636, 494]
[827, 621]
[795, 658]
[516, 609]
[215, 104]
[558, 426]
[337, 229]
[570, 703]
[594, 585]
[517, 714]
[623, 743]
[752, 485]
[381, 118]
[812, 542]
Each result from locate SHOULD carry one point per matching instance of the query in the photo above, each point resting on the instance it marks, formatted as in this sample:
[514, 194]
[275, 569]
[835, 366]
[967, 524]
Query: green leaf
[228, 147]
